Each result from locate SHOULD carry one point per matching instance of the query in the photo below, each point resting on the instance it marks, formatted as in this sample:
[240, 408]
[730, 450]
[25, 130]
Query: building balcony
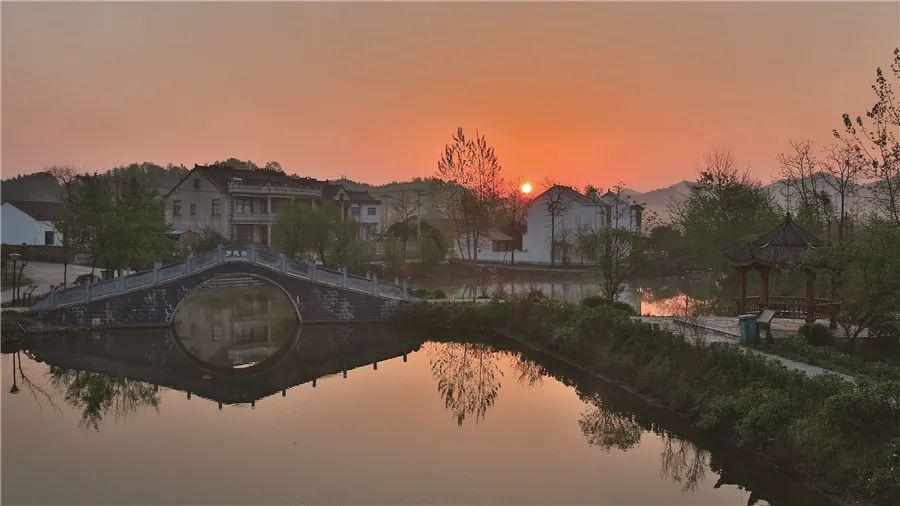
[237, 188]
[253, 218]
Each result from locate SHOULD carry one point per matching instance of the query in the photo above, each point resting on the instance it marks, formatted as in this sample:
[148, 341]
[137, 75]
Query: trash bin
[749, 328]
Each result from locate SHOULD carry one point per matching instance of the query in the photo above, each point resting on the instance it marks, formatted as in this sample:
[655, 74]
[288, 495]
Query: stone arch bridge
[150, 298]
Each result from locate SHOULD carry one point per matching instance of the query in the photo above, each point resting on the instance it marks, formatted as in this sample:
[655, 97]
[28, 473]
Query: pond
[656, 296]
[238, 403]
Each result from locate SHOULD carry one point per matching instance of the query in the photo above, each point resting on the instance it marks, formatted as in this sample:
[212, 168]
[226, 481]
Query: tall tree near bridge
[472, 170]
[318, 229]
[119, 229]
[71, 232]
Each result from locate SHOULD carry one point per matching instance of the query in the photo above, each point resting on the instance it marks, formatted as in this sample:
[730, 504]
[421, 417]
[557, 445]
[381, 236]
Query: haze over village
[450, 253]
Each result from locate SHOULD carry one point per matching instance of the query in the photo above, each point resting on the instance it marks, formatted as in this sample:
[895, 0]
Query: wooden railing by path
[794, 307]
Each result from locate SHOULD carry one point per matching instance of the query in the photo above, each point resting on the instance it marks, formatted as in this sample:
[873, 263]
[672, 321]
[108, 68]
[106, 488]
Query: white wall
[19, 227]
[202, 199]
[537, 238]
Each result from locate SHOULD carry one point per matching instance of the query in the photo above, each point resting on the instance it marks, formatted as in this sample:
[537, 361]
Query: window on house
[371, 211]
[243, 205]
[197, 183]
[176, 208]
[48, 238]
[354, 211]
[193, 209]
[215, 207]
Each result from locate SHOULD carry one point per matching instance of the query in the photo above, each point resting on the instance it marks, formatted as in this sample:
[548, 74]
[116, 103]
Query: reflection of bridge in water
[156, 356]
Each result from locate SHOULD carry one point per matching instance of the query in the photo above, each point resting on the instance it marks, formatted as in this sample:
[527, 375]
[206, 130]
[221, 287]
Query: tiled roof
[41, 211]
[362, 197]
[221, 175]
[784, 244]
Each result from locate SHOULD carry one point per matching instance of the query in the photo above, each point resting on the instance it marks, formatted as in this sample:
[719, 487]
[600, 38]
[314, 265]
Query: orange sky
[581, 93]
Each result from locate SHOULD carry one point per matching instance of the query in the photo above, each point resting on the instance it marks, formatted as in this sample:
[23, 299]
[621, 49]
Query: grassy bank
[848, 435]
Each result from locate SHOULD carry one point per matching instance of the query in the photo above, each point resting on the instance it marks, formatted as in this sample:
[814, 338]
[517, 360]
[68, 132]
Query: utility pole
[14, 257]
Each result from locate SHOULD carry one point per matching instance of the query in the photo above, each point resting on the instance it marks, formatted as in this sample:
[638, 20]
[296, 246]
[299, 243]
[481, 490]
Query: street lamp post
[14, 257]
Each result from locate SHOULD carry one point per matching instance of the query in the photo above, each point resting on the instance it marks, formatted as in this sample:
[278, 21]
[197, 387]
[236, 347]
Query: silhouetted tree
[471, 169]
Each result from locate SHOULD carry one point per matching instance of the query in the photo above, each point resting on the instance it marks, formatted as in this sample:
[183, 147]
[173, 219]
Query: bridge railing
[195, 263]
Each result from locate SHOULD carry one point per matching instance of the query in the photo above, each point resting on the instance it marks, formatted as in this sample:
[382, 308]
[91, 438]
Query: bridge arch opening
[234, 322]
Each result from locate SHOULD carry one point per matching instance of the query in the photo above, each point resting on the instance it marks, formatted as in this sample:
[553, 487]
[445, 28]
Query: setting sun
[526, 188]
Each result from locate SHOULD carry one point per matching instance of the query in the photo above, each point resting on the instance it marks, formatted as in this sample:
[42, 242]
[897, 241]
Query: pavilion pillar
[764, 285]
[742, 289]
[810, 296]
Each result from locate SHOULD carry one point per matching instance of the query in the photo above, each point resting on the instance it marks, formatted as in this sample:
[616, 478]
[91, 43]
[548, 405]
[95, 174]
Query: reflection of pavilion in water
[235, 322]
[154, 356]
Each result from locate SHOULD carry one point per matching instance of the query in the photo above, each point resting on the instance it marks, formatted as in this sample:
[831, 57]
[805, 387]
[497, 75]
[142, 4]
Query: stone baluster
[220, 253]
[253, 252]
[312, 271]
[404, 289]
[156, 267]
[283, 259]
[87, 291]
[374, 287]
[344, 280]
[189, 263]
[122, 283]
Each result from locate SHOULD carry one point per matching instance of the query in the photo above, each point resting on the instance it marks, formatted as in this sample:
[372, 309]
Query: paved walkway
[44, 274]
[720, 329]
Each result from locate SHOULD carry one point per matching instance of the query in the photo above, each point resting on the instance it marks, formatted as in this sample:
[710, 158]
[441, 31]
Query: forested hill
[42, 186]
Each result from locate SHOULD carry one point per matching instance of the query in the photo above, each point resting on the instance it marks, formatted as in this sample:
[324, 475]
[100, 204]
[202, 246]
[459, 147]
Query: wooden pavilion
[783, 246]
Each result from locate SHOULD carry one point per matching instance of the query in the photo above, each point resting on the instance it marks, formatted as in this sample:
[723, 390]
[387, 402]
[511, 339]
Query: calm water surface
[237, 403]
[661, 296]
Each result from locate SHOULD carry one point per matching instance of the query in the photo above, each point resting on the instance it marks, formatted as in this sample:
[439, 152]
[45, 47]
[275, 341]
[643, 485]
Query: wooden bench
[764, 321]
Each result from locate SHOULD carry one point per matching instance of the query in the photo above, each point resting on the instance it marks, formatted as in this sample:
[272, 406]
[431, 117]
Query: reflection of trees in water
[468, 377]
[528, 372]
[680, 460]
[683, 462]
[98, 395]
[606, 429]
[36, 391]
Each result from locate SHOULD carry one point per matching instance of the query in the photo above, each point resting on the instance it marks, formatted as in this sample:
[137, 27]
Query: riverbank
[16, 326]
[838, 435]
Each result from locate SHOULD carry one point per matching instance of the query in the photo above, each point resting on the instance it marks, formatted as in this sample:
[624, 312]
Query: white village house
[31, 222]
[576, 214]
[242, 205]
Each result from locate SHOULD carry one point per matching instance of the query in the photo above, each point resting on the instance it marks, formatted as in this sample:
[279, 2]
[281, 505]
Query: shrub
[566, 339]
[596, 301]
[623, 306]
[438, 294]
[816, 334]
[885, 335]
[593, 301]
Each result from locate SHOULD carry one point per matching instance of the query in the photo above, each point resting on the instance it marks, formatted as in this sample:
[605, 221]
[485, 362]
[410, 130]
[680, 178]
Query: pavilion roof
[784, 244]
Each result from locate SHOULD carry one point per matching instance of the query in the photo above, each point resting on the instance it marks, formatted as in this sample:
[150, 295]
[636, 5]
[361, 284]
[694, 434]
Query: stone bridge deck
[150, 298]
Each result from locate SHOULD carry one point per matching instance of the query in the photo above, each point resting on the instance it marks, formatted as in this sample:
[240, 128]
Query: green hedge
[850, 433]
